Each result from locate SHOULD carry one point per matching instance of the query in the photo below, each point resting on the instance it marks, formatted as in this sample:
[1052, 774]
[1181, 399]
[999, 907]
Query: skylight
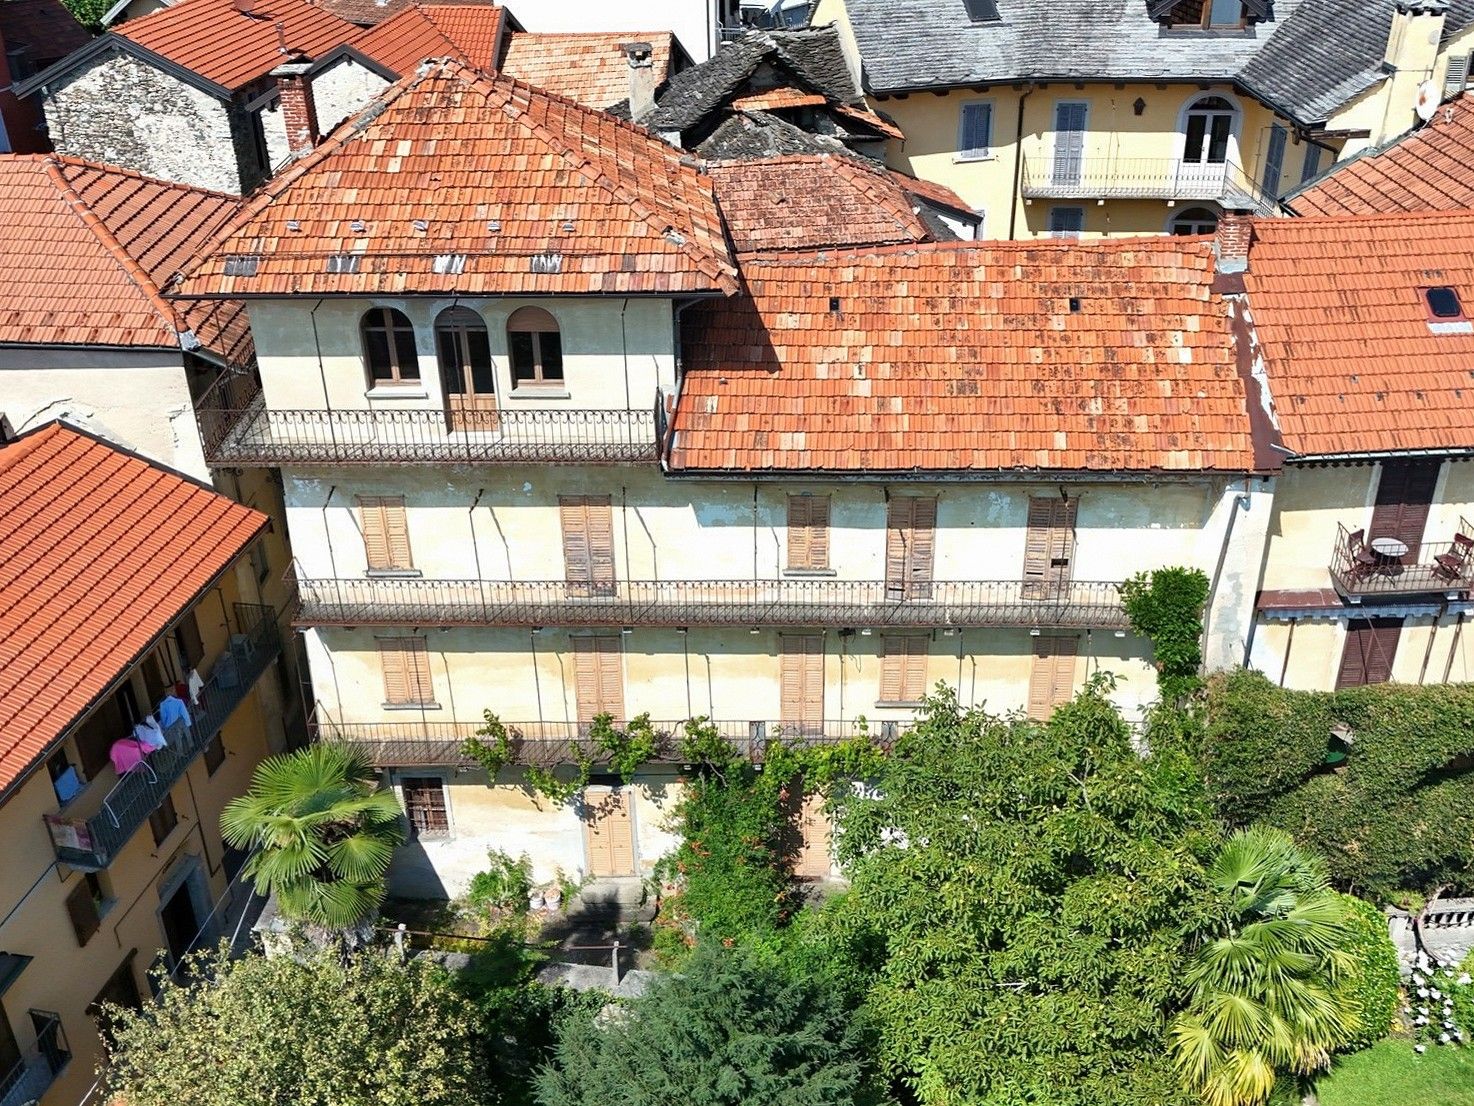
[982, 11]
[1443, 303]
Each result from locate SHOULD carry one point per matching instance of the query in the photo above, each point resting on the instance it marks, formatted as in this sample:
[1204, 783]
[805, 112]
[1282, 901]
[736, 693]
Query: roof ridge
[871, 183]
[129, 264]
[1421, 216]
[1002, 245]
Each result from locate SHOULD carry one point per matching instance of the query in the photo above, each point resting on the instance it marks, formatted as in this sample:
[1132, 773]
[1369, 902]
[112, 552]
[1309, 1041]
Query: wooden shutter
[588, 543]
[406, 663]
[910, 540]
[1371, 647]
[187, 639]
[903, 668]
[1404, 494]
[83, 912]
[385, 531]
[1052, 680]
[801, 678]
[1049, 546]
[808, 531]
[599, 677]
[1457, 76]
[96, 734]
[609, 833]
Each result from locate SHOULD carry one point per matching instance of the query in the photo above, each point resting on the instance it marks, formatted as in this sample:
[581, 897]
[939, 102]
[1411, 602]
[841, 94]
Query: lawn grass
[1390, 1073]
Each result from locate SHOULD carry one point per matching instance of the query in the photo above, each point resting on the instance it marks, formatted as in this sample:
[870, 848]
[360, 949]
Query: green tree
[367, 1030]
[1267, 993]
[733, 1029]
[1030, 887]
[323, 833]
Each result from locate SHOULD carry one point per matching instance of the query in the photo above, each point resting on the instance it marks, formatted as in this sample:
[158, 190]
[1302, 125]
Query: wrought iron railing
[238, 429]
[415, 742]
[1065, 176]
[783, 602]
[93, 842]
[38, 1066]
[1359, 570]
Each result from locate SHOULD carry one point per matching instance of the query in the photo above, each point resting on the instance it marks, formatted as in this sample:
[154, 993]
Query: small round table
[1390, 548]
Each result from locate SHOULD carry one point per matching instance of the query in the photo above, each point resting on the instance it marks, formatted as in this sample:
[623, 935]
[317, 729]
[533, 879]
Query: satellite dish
[1427, 100]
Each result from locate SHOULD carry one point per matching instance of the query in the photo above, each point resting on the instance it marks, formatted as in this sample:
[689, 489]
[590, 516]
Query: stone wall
[124, 112]
[342, 90]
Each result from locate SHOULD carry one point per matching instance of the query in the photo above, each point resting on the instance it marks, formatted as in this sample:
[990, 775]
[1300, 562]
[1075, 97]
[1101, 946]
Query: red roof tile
[515, 190]
[1354, 364]
[871, 119]
[231, 47]
[467, 32]
[1428, 169]
[101, 551]
[943, 357]
[84, 249]
[777, 99]
[930, 191]
[806, 202]
[365, 13]
[590, 68]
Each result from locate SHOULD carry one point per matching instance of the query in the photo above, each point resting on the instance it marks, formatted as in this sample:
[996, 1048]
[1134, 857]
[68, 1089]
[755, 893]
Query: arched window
[389, 347]
[1194, 220]
[463, 350]
[1209, 126]
[536, 348]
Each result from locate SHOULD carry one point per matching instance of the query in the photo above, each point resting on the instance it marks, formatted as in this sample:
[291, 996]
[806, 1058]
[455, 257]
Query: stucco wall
[122, 111]
[342, 90]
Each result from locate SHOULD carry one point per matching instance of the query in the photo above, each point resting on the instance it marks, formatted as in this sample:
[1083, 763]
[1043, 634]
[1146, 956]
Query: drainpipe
[1018, 162]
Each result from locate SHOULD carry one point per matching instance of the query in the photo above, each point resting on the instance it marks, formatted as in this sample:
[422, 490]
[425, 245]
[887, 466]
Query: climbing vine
[626, 751]
[1166, 607]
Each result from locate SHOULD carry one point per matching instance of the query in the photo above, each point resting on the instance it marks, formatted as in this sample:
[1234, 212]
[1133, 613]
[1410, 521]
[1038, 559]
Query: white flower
[1422, 992]
[1420, 1021]
[1420, 1048]
[1444, 1038]
[1465, 979]
[1447, 1024]
[1417, 978]
[1422, 1009]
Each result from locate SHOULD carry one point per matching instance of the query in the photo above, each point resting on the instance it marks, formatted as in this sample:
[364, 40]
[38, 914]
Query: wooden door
[1052, 678]
[910, 541]
[1404, 494]
[1049, 547]
[588, 544]
[599, 676]
[810, 834]
[801, 681]
[1371, 647]
[609, 832]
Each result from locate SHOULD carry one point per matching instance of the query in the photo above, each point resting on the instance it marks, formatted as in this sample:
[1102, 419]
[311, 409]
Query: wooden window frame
[392, 323]
[383, 517]
[417, 785]
[904, 659]
[214, 754]
[1375, 634]
[808, 534]
[456, 325]
[87, 904]
[910, 547]
[793, 664]
[1204, 22]
[538, 322]
[408, 647]
[975, 153]
[597, 658]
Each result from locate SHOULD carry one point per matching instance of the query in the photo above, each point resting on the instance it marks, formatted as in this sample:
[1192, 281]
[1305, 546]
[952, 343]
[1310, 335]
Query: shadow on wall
[412, 874]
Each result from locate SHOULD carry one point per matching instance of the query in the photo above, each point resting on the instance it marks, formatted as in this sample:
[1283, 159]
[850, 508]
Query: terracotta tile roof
[1428, 169]
[468, 32]
[930, 191]
[942, 357]
[84, 249]
[809, 202]
[872, 119]
[1354, 364]
[230, 47]
[45, 27]
[366, 13]
[589, 68]
[101, 551]
[776, 99]
[518, 191]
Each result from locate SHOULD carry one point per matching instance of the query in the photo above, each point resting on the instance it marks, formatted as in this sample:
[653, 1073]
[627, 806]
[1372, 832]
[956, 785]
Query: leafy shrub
[1374, 980]
[504, 886]
[1166, 606]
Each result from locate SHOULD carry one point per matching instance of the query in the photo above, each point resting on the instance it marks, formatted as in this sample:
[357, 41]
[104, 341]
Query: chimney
[298, 111]
[1410, 59]
[641, 56]
[1231, 245]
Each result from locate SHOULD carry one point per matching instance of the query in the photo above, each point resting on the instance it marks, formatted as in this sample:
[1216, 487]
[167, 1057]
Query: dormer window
[1206, 15]
[982, 11]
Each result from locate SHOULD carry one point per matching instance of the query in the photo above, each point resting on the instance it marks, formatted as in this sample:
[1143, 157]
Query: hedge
[1376, 979]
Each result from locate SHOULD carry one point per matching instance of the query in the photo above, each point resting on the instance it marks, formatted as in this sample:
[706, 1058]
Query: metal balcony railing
[783, 602]
[417, 742]
[1360, 571]
[1104, 177]
[38, 1066]
[93, 842]
[238, 429]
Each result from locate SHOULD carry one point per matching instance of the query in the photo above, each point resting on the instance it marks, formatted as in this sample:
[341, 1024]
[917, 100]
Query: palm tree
[323, 832]
[1263, 999]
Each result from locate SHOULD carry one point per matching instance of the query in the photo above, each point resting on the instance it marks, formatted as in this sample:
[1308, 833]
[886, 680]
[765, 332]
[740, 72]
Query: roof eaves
[115, 41]
[352, 53]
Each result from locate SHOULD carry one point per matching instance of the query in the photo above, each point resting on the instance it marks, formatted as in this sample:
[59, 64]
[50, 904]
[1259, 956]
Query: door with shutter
[1069, 141]
[599, 676]
[809, 837]
[910, 542]
[1404, 495]
[385, 530]
[1371, 647]
[609, 832]
[801, 679]
[588, 544]
[1049, 547]
[1052, 678]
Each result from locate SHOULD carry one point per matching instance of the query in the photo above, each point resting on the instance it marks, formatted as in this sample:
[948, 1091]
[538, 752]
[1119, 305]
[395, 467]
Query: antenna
[1427, 101]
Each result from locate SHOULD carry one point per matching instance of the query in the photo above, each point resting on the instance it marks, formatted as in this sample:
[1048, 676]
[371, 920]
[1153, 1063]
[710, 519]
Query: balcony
[38, 1066]
[238, 430]
[419, 743]
[679, 603]
[1360, 571]
[102, 819]
[1107, 177]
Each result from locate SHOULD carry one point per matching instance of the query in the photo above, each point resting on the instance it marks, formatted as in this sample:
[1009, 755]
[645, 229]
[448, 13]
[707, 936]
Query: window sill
[961, 159]
[539, 393]
[390, 392]
[393, 573]
[906, 704]
[802, 572]
[410, 706]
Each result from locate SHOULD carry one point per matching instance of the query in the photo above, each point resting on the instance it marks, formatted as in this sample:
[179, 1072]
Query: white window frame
[986, 153]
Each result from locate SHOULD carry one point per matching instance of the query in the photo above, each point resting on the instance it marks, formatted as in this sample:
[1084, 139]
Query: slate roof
[100, 553]
[457, 181]
[758, 134]
[590, 68]
[1306, 62]
[109, 239]
[469, 32]
[1354, 364]
[1424, 170]
[366, 13]
[943, 357]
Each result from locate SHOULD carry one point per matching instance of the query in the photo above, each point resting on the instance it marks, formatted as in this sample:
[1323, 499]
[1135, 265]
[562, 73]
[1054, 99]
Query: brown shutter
[424, 804]
[588, 543]
[385, 531]
[95, 736]
[1404, 494]
[1052, 679]
[801, 678]
[910, 539]
[598, 677]
[406, 664]
[808, 531]
[903, 668]
[897, 531]
[187, 638]
[1371, 647]
[83, 912]
[1049, 546]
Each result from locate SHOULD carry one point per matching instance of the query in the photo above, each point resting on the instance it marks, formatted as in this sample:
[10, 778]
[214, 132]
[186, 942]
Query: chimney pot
[298, 109]
[1231, 245]
[641, 58]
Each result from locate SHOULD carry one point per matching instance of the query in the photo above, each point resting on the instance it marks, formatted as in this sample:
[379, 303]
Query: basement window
[1443, 303]
[982, 11]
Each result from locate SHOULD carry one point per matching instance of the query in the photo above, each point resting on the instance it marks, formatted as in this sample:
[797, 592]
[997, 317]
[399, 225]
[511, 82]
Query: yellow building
[1073, 118]
[139, 691]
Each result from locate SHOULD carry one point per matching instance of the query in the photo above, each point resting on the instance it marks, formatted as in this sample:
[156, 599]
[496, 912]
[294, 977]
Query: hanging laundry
[149, 733]
[172, 710]
[127, 754]
[196, 685]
